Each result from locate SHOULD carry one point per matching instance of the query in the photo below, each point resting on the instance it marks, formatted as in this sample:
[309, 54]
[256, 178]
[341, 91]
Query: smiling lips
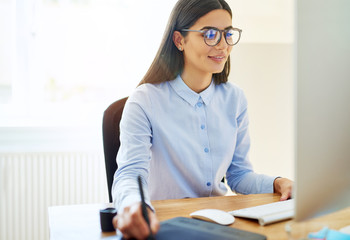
[218, 59]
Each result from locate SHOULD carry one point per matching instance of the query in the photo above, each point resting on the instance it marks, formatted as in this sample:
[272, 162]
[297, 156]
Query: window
[63, 62]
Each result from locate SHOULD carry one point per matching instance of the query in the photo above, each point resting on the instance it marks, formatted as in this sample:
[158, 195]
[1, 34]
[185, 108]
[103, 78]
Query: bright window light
[75, 57]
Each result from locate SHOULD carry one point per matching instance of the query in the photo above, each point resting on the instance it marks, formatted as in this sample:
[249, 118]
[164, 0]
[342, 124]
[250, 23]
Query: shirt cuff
[131, 199]
[267, 184]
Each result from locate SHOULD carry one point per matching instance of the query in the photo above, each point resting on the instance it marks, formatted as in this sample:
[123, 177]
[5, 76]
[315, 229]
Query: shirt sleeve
[133, 156]
[240, 175]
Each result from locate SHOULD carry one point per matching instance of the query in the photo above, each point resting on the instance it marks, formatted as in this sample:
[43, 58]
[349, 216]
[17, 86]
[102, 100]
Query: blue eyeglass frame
[216, 29]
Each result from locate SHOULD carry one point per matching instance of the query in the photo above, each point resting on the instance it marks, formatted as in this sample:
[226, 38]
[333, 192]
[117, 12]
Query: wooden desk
[82, 221]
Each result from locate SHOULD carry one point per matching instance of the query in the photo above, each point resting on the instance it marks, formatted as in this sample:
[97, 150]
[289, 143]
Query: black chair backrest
[111, 142]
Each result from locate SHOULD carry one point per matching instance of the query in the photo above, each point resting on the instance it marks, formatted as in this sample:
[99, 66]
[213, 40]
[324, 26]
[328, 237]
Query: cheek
[198, 51]
[201, 48]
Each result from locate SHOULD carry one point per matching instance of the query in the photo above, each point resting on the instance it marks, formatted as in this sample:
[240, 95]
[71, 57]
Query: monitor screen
[322, 147]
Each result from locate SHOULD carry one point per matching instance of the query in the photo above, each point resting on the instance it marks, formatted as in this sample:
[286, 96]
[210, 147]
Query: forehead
[219, 18]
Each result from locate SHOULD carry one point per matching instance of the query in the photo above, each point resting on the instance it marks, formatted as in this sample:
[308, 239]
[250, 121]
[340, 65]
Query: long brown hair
[169, 62]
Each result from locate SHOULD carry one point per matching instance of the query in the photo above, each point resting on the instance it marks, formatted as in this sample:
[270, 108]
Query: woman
[185, 127]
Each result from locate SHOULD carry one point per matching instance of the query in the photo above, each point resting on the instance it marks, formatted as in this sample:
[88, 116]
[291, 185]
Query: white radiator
[31, 182]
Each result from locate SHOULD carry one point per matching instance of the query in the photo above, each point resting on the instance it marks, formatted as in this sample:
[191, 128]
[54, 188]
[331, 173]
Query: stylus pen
[144, 208]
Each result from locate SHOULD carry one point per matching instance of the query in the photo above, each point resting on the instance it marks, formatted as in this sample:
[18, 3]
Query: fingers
[153, 222]
[133, 225]
[115, 222]
[284, 187]
[285, 195]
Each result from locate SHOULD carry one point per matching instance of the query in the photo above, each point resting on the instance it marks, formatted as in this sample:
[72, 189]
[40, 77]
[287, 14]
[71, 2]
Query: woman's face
[198, 56]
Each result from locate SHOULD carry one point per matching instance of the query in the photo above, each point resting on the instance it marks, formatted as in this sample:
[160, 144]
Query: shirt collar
[189, 95]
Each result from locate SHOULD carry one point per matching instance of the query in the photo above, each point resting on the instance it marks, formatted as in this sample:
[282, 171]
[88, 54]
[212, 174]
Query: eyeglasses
[212, 36]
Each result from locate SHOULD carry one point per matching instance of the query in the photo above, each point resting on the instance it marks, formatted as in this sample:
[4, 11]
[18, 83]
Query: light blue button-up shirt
[182, 143]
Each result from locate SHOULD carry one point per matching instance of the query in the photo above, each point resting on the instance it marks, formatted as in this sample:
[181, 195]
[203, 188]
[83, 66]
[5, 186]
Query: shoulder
[231, 92]
[147, 93]
[230, 88]
[148, 89]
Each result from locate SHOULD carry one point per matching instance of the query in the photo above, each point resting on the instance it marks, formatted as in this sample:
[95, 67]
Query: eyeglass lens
[213, 36]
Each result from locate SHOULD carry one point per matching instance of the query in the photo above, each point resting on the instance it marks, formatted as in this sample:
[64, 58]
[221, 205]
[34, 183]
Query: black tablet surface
[193, 229]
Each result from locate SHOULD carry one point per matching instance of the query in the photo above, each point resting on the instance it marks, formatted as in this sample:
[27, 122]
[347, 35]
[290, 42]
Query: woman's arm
[133, 160]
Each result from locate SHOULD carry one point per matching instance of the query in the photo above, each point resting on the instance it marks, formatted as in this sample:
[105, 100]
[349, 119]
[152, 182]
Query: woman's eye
[210, 34]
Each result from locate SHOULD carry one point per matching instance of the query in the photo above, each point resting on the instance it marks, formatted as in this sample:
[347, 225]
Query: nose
[222, 44]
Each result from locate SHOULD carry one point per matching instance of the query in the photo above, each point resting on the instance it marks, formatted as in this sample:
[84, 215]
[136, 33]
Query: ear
[178, 40]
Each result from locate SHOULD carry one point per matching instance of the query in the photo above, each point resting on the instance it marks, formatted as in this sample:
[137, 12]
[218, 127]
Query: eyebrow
[208, 27]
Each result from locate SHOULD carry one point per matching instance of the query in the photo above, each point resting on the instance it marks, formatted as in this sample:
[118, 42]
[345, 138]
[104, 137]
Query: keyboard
[268, 213]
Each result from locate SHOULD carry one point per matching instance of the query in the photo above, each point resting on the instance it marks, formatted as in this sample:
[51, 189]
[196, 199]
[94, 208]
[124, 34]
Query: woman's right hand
[132, 223]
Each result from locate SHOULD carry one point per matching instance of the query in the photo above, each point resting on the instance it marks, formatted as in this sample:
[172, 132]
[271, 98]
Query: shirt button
[206, 150]
[202, 126]
[208, 184]
[199, 104]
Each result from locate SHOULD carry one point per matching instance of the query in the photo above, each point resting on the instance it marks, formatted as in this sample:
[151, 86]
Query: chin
[218, 70]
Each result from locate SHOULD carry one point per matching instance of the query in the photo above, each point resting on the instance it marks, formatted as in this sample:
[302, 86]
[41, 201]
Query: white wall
[263, 65]
[265, 72]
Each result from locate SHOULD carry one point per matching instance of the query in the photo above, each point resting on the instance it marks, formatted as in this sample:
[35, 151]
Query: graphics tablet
[193, 229]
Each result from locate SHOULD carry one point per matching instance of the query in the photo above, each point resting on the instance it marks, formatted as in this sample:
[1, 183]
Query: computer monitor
[322, 107]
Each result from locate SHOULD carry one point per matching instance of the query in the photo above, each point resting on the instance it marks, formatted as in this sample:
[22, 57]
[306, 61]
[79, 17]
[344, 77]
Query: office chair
[111, 142]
